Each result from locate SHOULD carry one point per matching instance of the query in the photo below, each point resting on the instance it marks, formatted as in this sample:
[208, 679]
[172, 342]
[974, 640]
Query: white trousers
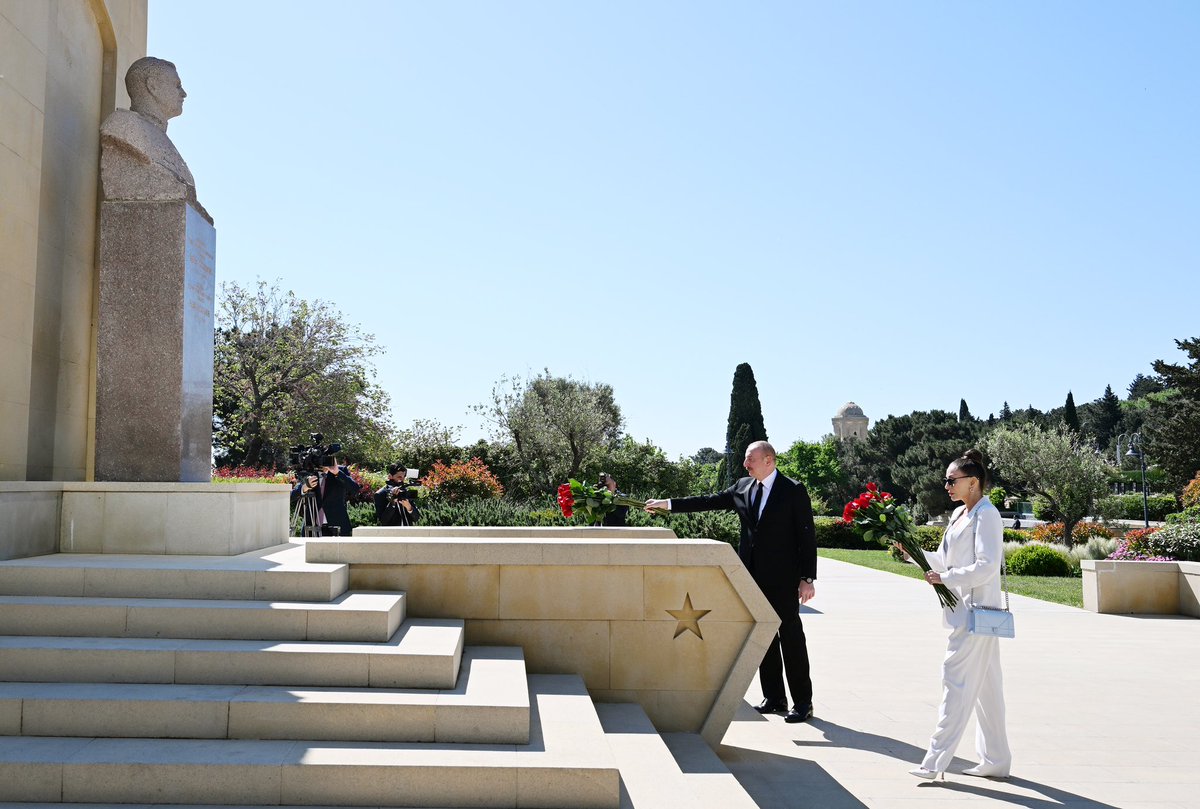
[971, 681]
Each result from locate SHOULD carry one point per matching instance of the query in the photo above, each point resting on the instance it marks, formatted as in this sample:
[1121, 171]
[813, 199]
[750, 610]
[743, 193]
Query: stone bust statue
[137, 159]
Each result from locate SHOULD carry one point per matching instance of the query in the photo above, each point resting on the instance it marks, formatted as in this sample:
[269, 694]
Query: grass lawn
[1067, 590]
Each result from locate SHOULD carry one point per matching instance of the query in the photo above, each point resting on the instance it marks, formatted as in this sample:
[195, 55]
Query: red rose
[872, 487]
[566, 501]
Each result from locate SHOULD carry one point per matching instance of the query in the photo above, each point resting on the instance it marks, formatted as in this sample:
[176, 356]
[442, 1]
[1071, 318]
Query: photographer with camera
[330, 484]
[395, 502]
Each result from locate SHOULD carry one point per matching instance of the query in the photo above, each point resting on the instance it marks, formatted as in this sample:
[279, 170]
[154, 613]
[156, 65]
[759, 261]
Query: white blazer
[969, 560]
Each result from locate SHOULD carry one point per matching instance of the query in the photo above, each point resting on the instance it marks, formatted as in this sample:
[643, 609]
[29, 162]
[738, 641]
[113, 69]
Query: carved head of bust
[155, 90]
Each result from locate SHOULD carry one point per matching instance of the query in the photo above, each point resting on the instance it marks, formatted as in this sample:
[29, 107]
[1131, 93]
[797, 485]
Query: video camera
[399, 490]
[310, 460]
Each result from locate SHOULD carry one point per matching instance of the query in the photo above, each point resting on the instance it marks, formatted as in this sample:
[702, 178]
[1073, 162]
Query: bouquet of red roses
[592, 502]
[878, 516]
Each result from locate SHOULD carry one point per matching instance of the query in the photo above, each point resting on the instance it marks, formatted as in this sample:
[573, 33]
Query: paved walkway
[1103, 710]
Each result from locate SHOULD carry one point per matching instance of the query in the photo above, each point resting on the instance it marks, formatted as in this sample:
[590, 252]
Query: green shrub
[1129, 506]
[361, 514]
[1189, 514]
[834, 532]
[1038, 560]
[930, 537]
[720, 525]
[1016, 535]
[996, 496]
[486, 511]
[1178, 541]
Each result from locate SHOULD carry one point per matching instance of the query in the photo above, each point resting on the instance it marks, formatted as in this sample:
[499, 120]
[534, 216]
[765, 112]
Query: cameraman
[394, 502]
[333, 485]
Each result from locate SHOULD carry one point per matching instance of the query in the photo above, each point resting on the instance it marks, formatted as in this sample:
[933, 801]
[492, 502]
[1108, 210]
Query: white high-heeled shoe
[984, 771]
[926, 775]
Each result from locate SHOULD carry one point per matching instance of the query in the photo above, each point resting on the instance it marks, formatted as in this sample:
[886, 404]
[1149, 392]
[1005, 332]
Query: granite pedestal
[154, 385]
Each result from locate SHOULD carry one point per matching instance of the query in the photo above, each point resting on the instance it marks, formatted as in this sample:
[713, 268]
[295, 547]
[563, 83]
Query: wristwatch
[807, 579]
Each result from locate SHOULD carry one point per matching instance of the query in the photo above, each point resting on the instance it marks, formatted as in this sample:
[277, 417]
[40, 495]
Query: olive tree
[1054, 463]
[554, 423]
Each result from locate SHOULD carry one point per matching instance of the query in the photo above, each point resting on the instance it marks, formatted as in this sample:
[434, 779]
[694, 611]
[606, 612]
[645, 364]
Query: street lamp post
[1135, 450]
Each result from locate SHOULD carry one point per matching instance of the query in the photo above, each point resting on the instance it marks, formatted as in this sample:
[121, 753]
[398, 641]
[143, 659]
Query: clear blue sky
[899, 204]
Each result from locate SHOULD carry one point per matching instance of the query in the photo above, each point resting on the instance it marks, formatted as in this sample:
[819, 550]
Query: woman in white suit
[968, 562]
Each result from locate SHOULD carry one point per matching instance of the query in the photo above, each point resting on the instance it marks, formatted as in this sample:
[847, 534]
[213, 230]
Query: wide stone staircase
[259, 680]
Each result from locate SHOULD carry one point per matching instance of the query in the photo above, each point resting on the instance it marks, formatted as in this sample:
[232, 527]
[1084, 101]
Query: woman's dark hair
[972, 465]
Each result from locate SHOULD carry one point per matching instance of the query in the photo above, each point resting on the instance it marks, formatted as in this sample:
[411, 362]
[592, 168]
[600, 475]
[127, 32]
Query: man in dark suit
[333, 485]
[779, 548]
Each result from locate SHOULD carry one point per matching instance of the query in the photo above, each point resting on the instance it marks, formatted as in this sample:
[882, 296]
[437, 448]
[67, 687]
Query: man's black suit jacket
[333, 502]
[781, 548]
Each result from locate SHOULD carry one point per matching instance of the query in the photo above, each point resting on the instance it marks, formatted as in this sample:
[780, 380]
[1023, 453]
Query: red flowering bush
[1191, 492]
[1082, 532]
[248, 474]
[1137, 549]
[458, 481]
[566, 501]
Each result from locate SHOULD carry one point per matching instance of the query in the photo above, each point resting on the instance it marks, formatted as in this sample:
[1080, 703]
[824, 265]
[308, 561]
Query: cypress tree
[1070, 415]
[964, 412]
[1005, 412]
[745, 424]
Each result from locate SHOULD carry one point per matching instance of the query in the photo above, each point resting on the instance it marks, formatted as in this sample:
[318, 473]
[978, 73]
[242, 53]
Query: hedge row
[720, 525]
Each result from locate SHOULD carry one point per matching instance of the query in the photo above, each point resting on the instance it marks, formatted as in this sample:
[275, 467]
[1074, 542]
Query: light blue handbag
[993, 621]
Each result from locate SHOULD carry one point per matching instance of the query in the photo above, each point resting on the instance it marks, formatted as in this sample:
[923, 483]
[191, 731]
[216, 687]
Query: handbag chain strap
[1003, 561]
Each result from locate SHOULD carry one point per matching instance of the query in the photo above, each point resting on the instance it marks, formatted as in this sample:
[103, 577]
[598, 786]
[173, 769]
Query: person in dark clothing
[618, 516]
[779, 548]
[394, 502]
[332, 486]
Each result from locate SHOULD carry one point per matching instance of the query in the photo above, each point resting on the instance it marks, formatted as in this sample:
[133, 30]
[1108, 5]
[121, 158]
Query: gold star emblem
[688, 618]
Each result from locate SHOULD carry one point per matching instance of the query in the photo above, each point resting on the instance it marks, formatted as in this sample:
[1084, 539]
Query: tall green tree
[817, 466]
[1054, 463]
[554, 424]
[1104, 421]
[745, 424]
[1070, 414]
[907, 456]
[1005, 412]
[284, 367]
[1143, 385]
[426, 441]
[642, 469]
[1172, 425]
[964, 412]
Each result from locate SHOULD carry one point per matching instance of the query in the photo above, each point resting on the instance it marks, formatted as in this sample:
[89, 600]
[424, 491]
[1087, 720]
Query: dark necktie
[756, 502]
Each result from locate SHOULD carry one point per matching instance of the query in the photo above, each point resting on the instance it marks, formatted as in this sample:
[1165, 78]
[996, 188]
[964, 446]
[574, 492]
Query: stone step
[490, 703]
[274, 574]
[654, 776]
[371, 617]
[705, 773]
[424, 653]
[565, 763]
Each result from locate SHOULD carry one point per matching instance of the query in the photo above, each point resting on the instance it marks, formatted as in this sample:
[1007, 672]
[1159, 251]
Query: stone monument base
[222, 519]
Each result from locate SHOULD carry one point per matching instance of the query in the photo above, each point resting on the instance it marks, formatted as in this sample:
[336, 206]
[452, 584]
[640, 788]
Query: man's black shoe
[769, 706]
[799, 714]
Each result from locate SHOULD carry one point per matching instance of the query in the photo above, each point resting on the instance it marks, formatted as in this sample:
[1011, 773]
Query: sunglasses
[952, 481]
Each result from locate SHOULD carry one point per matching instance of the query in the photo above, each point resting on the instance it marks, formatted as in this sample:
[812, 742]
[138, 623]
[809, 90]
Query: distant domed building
[850, 422]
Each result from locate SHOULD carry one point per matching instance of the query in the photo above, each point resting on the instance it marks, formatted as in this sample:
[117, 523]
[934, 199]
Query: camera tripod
[306, 517]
